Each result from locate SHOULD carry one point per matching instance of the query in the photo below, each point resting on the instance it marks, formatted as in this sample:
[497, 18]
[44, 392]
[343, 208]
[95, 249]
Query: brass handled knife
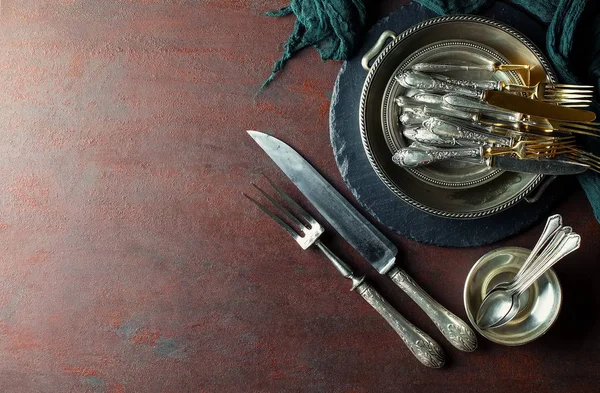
[362, 235]
[531, 107]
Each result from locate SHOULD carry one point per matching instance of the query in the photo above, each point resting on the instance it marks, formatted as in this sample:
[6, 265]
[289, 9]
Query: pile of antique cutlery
[502, 303]
[492, 123]
[367, 240]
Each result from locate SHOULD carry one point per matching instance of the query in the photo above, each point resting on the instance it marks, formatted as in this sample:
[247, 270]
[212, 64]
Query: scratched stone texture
[130, 261]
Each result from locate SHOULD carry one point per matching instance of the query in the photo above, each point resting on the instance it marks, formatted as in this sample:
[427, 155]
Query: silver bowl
[487, 198]
[540, 304]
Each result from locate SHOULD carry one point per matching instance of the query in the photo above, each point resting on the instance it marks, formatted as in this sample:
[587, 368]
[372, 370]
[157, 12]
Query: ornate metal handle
[456, 331]
[429, 98]
[478, 85]
[429, 67]
[432, 67]
[424, 109]
[568, 244]
[374, 51]
[421, 81]
[411, 157]
[458, 132]
[412, 118]
[460, 103]
[420, 344]
[424, 135]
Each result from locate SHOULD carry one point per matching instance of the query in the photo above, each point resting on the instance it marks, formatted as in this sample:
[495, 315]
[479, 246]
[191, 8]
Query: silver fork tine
[274, 217]
[429, 352]
[293, 204]
[281, 208]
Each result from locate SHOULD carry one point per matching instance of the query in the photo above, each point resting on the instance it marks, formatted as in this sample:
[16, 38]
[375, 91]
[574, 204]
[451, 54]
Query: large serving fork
[307, 233]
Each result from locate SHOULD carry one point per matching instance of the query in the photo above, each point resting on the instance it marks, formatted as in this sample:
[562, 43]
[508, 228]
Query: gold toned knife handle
[529, 90]
[456, 331]
[420, 344]
[511, 67]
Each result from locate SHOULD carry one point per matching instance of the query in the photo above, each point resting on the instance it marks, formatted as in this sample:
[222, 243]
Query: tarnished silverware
[574, 96]
[414, 156]
[516, 103]
[425, 349]
[377, 249]
[432, 67]
[487, 92]
[461, 132]
[502, 303]
[567, 95]
[484, 314]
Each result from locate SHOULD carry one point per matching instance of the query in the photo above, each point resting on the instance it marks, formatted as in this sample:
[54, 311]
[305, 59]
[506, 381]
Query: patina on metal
[497, 194]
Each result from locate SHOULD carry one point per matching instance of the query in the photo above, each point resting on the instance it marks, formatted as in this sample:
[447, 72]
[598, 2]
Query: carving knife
[362, 235]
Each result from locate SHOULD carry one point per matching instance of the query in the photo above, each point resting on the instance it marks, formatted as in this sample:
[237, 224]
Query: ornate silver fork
[566, 95]
[307, 234]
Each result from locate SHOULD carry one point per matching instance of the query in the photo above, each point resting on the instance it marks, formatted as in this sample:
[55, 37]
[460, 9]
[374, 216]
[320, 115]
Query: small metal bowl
[540, 304]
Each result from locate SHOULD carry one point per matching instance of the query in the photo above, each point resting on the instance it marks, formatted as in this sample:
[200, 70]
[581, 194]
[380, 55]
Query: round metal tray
[451, 173]
[493, 196]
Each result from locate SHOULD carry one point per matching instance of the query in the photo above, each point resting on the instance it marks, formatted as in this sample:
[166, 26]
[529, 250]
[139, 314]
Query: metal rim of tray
[363, 100]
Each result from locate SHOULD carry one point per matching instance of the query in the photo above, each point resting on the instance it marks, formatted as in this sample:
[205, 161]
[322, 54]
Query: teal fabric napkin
[334, 28]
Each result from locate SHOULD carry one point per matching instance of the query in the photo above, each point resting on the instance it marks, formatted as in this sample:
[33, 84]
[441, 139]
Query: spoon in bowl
[502, 304]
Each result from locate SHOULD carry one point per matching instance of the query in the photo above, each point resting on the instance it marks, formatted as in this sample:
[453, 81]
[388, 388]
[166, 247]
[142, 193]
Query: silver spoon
[503, 302]
[568, 245]
[553, 224]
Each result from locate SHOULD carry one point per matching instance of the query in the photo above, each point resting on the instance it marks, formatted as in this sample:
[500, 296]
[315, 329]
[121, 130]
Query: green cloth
[573, 46]
[572, 42]
[333, 27]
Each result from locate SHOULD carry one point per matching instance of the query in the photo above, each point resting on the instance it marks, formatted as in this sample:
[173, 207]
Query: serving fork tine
[307, 233]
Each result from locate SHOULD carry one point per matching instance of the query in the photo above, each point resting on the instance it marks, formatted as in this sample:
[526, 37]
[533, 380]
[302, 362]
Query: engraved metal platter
[449, 173]
[453, 200]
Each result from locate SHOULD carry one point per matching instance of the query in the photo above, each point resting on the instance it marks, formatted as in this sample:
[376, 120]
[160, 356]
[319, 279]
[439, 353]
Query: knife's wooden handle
[420, 344]
[456, 331]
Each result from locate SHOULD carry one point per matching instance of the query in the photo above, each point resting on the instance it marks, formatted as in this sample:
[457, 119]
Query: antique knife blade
[528, 106]
[541, 166]
[362, 235]
[346, 220]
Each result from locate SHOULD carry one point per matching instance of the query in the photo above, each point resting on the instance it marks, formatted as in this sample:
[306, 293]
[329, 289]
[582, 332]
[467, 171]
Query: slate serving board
[370, 191]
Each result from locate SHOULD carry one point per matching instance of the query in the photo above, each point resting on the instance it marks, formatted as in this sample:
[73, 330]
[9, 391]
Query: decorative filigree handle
[432, 67]
[421, 81]
[459, 132]
[424, 135]
[420, 344]
[412, 157]
[429, 98]
[460, 103]
[425, 109]
[477, 85]
[456, 331]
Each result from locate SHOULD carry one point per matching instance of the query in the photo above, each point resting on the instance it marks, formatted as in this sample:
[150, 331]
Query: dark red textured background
[130, 261]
